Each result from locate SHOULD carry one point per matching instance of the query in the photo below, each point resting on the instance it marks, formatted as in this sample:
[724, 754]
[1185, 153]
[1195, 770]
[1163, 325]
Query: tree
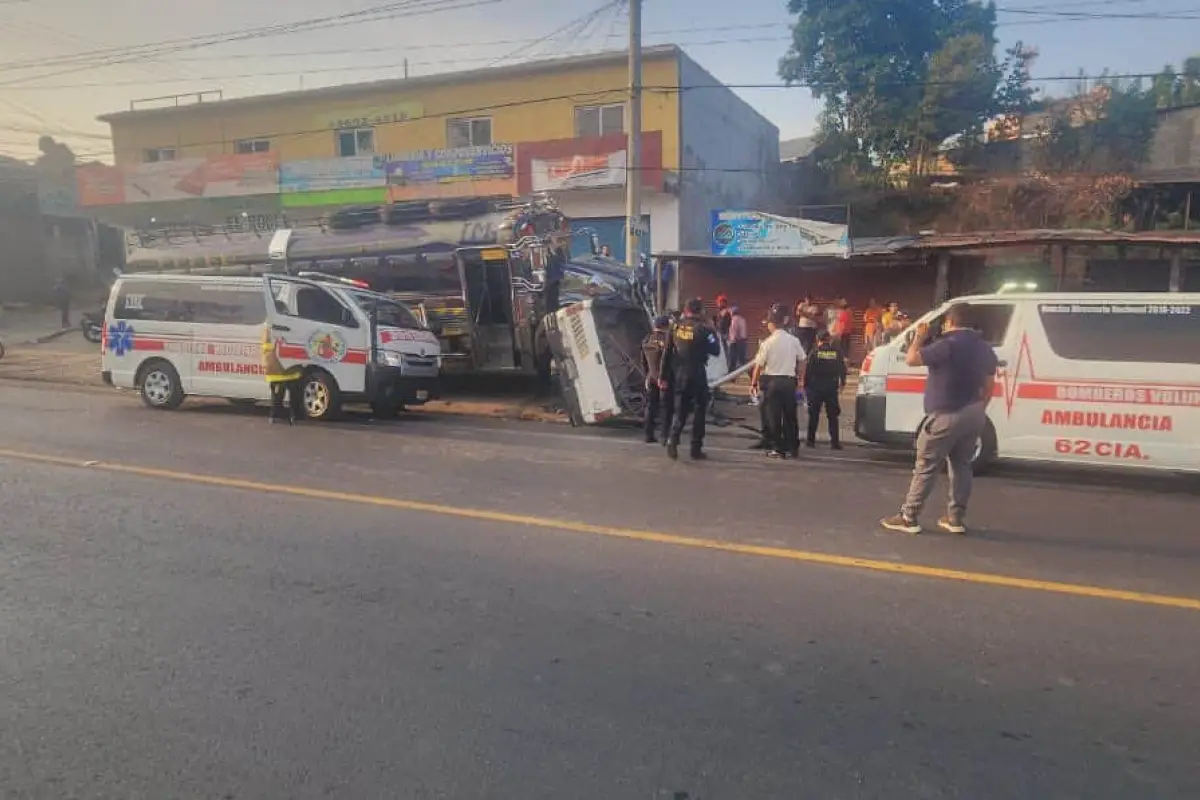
[900, 77]
[1107, 130]
[57, 159]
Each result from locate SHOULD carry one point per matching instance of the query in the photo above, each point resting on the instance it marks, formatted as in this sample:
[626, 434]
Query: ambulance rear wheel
[985, 450]
[320, 398]
[159, 385]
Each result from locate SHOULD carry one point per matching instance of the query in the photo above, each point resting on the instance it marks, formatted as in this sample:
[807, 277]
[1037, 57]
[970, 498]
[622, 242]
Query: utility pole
[633, 149]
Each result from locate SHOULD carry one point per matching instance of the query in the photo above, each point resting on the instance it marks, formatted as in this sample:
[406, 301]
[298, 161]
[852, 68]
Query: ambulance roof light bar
[325, 276]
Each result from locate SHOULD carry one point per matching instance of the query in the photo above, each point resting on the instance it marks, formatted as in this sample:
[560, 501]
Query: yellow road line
[803, 556]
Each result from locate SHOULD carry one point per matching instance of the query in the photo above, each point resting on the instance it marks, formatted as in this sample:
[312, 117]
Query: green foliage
[1174, 89]
[1106, 131]
[900, 77]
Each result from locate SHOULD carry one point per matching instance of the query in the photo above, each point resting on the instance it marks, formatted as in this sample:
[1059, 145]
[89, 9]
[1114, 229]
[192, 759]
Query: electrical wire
[593, 97]
[404, 9]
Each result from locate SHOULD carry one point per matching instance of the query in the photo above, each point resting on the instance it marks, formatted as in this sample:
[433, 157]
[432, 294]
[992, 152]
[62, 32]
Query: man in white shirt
[778, 365]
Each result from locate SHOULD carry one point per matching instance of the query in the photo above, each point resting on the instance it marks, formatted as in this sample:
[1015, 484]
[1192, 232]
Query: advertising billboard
[752, 234]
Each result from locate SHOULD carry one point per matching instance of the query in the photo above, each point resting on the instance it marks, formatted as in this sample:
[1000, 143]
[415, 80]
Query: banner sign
[455, 164]
[326, 174]
[185, 179]
[578, 172]
[754, 234]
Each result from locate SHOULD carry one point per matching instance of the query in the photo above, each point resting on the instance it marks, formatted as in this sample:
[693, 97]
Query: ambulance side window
[318, 305]
[992, 321]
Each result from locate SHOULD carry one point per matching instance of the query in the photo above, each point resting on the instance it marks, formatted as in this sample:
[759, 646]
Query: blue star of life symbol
[120, 338]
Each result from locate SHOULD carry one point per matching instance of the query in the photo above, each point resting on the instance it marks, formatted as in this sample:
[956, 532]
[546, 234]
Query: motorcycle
[92, 325]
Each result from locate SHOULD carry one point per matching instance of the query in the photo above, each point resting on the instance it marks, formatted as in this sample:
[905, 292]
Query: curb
[457, 409]
[50, 337]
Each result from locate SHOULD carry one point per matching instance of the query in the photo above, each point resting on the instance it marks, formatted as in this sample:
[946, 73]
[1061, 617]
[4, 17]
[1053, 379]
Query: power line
[404, 9]
[441, 46]
[1096, 14]
[598, 95]
[341, 68]
[400, 65]
[216, 38]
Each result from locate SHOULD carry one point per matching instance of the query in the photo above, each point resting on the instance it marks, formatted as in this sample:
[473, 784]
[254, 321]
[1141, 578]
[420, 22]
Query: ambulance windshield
[388, 312]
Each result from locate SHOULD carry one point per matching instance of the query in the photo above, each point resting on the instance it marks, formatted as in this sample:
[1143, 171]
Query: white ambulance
[1103, 379]
[169, 336]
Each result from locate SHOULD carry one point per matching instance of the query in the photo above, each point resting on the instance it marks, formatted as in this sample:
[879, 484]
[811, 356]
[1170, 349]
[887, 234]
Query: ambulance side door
[998, 322]
[227, 331]
[314, 327]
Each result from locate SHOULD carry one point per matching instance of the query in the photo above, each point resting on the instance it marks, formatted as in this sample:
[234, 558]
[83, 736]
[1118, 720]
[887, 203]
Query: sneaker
[672, 451]
[651, 440]
[837, 446]
[699, 455]
[901, 524]
[774, 454]
[952, 525]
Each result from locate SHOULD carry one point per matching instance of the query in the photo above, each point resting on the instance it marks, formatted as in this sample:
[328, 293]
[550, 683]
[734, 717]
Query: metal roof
[346, 90]
[929, 242]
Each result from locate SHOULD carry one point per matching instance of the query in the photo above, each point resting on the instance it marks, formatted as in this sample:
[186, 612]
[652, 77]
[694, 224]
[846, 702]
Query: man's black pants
[779, 399]
[691, 395]
[659, 401]
[827, 398]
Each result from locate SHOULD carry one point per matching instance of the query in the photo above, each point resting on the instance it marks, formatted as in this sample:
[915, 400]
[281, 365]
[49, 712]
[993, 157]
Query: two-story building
[555, 126]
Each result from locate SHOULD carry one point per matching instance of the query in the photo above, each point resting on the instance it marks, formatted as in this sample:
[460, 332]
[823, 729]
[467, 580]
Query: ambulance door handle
[280, 328]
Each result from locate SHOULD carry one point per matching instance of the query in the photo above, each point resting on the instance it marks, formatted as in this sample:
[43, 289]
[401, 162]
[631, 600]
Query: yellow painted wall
[297, 126]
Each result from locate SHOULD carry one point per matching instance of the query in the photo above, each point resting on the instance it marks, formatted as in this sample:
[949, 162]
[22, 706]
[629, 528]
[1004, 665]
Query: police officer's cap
[695, 306]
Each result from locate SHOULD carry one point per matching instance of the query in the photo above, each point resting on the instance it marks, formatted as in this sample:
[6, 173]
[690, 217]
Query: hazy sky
[739, 48]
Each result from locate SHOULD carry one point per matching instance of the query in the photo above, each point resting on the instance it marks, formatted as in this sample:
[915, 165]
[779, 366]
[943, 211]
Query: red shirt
[844, 321]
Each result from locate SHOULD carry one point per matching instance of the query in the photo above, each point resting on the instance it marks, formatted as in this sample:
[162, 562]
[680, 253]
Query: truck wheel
[159, 385]
[320, 398]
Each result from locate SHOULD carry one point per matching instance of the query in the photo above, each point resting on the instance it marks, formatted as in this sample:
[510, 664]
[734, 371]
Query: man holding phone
[962, 377]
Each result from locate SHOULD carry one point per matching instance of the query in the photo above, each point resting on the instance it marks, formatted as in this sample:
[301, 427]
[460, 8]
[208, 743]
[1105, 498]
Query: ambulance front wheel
[320, 397]
[985, 450]
[159, 385]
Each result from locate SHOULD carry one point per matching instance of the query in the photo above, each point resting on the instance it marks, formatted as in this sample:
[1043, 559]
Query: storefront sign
[578, 172]
[186, 179]
[752, 233]
[325, 174]
[452, 165]
[369, 117]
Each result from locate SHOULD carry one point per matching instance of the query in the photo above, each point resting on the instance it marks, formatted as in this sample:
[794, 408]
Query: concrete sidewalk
[33, 324]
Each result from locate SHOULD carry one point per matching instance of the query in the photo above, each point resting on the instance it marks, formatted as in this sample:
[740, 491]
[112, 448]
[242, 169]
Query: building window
[356, 142]
[252, 146]
[154, 154]
[469, 132]
[593, 121]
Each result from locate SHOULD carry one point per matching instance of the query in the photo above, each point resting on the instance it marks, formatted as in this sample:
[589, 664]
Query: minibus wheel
[159, 385]
[320, 398]
[985, 450]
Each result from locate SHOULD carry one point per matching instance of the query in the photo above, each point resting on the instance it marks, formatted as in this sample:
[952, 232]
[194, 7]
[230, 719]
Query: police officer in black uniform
[689, 347]
[824, 379]
[658, 391]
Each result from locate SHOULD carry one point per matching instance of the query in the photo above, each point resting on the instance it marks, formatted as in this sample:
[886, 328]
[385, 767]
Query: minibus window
[1161, 333]
[992, 321]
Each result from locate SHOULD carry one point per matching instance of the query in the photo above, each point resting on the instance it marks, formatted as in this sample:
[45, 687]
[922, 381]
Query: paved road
[436, 610]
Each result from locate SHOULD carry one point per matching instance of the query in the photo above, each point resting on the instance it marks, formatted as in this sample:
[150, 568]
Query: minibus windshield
[388, 312]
